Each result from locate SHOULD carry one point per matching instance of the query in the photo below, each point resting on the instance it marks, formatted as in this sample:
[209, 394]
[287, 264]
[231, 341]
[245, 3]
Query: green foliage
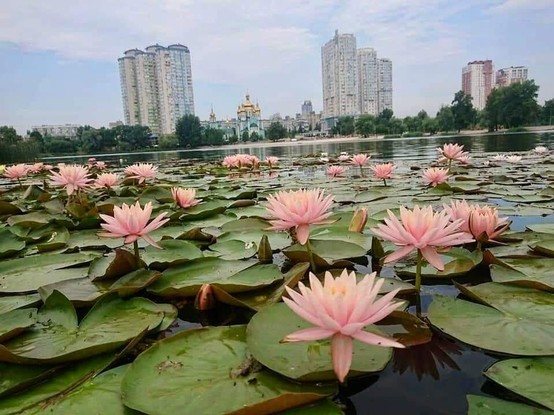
[13, 148]
[8, 135]
[233, 139]
[60, 145]
[365, 125]
[132, 137]
[189, 131]
[168, 142]
[213, 137]
[344, 126]
[513, 106]
[245, 136]
[445, 119]
[276, 131]
[255, 136]
[462, 110]
[547, 112]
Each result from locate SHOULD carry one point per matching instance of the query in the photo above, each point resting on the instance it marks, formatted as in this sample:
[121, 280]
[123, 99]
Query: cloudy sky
[58, 58]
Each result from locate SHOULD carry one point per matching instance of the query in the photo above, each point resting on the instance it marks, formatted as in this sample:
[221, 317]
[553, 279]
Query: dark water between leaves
[429, 379]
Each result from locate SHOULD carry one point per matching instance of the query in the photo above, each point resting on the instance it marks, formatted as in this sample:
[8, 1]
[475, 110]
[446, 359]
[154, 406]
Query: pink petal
[341, 351]
[431, 255]
[400, 253]
[303, 233]
[376, 340]
[313, 333]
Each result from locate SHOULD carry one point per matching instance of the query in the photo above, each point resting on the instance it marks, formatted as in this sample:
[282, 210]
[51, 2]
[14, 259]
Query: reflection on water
[385, 149]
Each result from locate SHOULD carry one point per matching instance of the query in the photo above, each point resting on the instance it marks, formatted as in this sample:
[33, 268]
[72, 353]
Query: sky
[58, 58]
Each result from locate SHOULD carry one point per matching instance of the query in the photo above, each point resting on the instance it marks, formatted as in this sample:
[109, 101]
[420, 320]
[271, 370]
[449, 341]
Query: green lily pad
[326, 253]
[99, 395]
[28, 274]
[30, 220]
[18, 377]
[174, 252]
[527, 272]
[245, 225]
[234, 250]
[10, 244]
[512, 327]
[7, 208]
[457, 261]
[532, 378]
[115, 265]
[544, 247]
[542, 227]
[277, 240]
[15, 322]
[483, 405]
[209, 368]
[306, 361]
[185, 280]
[58, 337]
[203, 210]
[88, 239]
[13, 302]
[56, 238]
[65, 380]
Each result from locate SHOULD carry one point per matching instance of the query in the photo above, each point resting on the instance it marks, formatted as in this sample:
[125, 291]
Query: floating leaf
[173, 252]
[209, 368]
[115, 265]
[527, 272]
[10, 244]
[326, 253]
[544, 247]
[457, 261]
[532, 378]
[483, 405]
[16, 321]
[306, 361]
[13, 302]
[233, 250]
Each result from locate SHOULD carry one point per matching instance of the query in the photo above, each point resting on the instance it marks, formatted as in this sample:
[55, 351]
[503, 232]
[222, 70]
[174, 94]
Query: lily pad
[327, 254]
[209, 368]
[58, 337]
[10, 244]
[306, 361]
[115, 265]
[15, 322]
[532, 378]
[542, 228]
[513, 327]
[13, 302]
[18, 377]
[233, 250]
[457, 261]
[544, 247]
[527, 272]
[173, 252]
[185, 280]
[483, 405]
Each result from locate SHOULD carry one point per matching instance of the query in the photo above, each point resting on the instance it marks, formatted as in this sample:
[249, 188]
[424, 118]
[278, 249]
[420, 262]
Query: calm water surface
[433, 378]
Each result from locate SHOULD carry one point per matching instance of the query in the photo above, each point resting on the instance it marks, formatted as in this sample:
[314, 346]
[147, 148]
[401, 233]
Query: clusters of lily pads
[96, 267]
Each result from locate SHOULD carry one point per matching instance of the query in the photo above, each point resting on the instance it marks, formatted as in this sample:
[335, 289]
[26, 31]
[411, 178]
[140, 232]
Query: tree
[462, 110]
[8, 135]
[254, 136]
[344, 126]
[493, 109]
[548, 112]
[365, 125]
[430, 125]
[189, 131]
[213, 137]
[445, 119]
[245, 136]
[168, 142]
[132, 137]
[276, 131]
[519, 104]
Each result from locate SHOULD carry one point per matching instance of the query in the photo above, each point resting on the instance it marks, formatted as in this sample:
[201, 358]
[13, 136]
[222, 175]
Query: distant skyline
[58, 59]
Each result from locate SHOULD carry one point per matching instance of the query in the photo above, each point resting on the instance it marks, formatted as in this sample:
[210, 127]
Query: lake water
[383, 149]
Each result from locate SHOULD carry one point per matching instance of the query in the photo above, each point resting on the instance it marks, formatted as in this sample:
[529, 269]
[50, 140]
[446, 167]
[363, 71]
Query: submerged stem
[385, 182]
[418, 271]
[137, 254]
[310, 256]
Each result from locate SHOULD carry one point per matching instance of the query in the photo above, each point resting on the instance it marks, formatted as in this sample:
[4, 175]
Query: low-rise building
[62, 130]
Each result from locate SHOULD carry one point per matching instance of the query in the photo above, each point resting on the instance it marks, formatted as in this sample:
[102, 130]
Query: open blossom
[72, 176]
[481, 222]
[299, 209]
[141, 171]
[360, 159]
[421, 229]
[513, 159]
[451, 151]
[383, 171]
[344, 156]
[16, 171]
[131, 223]
[36, 168]
[541, 150]
[435, 175]
[341, 308]
[106, 180]
[335, 171]
[230, 161]
[499, 157]
[184, 197]
[272, 160]
[100, 165]
[464, 158]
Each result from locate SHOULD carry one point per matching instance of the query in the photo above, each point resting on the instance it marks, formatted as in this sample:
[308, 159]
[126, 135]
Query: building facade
[156, 86]
[63, 130]
[511, 75]
[307, 109]
[368, 85]
[339, 69]
[478, 81]
[249, 120]
[384, 69]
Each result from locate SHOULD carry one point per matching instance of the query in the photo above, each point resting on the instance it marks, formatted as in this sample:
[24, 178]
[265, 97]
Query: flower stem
[310, 256]
[137, 254]
[479, 247]
[385, 182]
[20, 185]
[361, 171]
[418, 271]
[449, 164]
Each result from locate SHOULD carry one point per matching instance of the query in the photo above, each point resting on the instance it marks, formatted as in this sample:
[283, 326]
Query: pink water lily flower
[71, 176]
[131, 223]
[451, 151]
[360, 159]
[464, 158]
[541, 150]
[340, 309]
[36, 168]
[383, 171]
[335, 171]
[421, 229]
[513, 159]
[106, 180]
[141, 171]
[100, 165]
[479, 222]
[184, 197]
[299, 209]
[16, 172]
[435, 175]
[271, 160]
[499, 157]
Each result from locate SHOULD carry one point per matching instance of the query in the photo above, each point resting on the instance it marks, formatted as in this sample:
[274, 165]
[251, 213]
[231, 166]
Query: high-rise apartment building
[156, 86]
[511, 75]
[355, 81]
[307, 109]
[339, 69]
[478, 81]
[368, 85]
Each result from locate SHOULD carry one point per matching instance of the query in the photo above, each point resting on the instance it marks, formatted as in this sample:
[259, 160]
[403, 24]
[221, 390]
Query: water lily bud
[205, 299]
[265, 254]
[359, 219]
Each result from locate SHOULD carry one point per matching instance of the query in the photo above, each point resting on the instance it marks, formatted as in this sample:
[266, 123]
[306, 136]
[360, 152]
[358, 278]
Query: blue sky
[58, 58]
